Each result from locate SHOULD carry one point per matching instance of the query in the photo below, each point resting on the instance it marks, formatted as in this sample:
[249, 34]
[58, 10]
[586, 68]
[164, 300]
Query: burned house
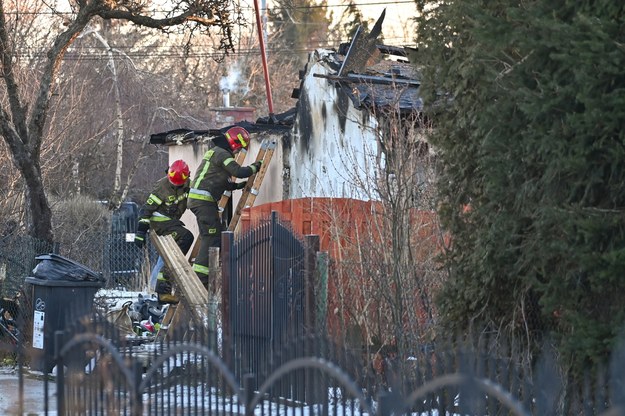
[350, 150]
[357, 108]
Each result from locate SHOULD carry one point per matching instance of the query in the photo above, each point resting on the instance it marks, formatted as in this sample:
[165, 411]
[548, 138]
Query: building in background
[331, 144]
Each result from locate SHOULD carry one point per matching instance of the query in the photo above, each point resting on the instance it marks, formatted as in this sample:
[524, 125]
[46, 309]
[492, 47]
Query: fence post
[311, 392]
[20, 362]
[321, 299]
[137, 399]
[248, 391]
[310, 284]
[213, 301]
[385, 405]
[227, 245]
[60, 375]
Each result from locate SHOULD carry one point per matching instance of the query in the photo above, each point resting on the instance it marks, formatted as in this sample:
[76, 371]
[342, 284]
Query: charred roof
[361, 71]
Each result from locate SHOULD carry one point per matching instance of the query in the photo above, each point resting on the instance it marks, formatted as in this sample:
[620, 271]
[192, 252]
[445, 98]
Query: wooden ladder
[248, 196]
[192, 293]
[239, 158]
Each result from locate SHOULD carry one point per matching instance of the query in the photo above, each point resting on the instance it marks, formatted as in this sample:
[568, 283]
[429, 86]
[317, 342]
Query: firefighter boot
[163, 290]
[168, 298]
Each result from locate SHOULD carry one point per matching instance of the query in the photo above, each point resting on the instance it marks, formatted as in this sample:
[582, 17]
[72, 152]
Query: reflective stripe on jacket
[166, 202]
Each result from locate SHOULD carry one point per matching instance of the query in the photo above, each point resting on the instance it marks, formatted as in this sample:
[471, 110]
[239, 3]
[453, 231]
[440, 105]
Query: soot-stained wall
[331, 150]
[334, 146]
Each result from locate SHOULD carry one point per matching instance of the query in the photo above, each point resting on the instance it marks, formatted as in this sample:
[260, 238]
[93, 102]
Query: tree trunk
[41, 215]
[115, 200]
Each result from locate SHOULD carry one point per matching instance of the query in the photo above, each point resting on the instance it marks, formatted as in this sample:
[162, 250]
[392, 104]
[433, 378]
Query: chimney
[226, 97]
[227, 115]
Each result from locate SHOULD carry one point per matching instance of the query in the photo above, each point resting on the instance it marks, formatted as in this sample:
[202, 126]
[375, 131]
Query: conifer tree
[529, 102]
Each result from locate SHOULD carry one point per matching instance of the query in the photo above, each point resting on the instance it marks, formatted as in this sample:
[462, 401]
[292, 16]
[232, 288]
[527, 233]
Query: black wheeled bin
[61, 293]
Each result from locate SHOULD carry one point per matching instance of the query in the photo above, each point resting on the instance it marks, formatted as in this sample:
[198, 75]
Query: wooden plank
[245, 194]
[166, 323]
[192, 293]
[254, 182]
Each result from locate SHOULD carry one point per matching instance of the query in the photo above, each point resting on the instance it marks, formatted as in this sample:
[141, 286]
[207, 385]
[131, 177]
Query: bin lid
[65, 283]
[55, 267]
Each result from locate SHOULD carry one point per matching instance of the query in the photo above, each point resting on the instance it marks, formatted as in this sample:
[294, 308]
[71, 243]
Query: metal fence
[101, 372]
[17, 259]
[267, 282]
[268, 359]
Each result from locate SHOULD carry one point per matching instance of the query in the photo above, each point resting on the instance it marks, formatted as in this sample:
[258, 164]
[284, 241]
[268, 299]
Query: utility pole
[261, 40]
[263, 5]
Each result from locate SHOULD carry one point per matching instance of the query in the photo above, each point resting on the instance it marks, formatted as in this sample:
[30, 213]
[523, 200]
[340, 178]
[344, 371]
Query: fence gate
[268, 293]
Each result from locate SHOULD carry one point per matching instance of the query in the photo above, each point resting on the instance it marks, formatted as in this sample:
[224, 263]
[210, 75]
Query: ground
[34, 393]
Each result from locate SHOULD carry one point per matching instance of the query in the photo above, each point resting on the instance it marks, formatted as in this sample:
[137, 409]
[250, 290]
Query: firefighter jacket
[166, 202]
[214, 173]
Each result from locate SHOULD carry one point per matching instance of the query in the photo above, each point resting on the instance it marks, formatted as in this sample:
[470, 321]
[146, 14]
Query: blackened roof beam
[370, 79]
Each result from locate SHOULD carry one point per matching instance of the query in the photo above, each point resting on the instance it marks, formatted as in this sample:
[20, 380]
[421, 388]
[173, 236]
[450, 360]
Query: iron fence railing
[101, 372]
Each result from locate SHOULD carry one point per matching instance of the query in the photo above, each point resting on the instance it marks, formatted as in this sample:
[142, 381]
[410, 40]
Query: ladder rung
[249, 193]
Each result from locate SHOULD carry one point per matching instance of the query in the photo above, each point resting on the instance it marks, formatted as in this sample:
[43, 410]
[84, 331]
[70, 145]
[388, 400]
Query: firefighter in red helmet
[212, 178]
[161, 213]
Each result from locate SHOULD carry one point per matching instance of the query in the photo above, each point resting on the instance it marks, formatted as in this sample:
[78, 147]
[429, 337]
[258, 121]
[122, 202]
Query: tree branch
[147, 21]
[17, 110]
[12, 138]
[55, 56]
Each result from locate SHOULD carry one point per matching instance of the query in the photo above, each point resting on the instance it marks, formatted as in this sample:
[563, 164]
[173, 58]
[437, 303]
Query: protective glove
[240, 185]
[140, 237]
[257, 165]
[141, 234]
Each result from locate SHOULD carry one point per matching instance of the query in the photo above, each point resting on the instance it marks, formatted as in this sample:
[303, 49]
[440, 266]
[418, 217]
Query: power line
[319, 6]
[381, 3]
[73, 56]
[173, 49]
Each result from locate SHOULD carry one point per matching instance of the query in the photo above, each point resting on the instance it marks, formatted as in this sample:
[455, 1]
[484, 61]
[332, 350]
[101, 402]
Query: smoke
[231, 81]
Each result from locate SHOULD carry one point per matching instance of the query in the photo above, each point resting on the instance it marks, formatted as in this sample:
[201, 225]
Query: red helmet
[178, 172]
[238, 138]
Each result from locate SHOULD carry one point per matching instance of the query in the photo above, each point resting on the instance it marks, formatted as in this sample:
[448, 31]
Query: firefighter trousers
[210, 228]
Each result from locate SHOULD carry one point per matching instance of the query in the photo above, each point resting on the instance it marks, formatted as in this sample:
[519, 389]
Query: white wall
[192, 154]
[326, 160]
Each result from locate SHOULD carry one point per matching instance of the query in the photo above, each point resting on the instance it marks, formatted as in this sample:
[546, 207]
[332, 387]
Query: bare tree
[23, 118]
[384, 274]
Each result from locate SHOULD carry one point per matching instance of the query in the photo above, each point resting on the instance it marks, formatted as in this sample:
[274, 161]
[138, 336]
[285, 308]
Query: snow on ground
[110, 300]
[114, 299]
